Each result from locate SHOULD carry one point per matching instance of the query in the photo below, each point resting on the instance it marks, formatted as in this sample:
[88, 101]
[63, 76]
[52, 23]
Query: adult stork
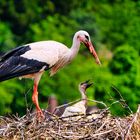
[31, 60]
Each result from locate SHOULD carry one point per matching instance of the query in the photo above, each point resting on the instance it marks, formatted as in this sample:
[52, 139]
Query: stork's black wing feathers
[16, 66]
[15, 52]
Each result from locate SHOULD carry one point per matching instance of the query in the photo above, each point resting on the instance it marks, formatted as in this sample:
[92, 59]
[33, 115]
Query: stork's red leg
[35, 100]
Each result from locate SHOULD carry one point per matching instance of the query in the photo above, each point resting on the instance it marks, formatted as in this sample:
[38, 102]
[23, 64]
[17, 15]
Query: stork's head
[84, 37]
[84, 85]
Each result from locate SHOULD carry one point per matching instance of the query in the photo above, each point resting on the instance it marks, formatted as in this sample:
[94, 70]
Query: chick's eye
[87, 37]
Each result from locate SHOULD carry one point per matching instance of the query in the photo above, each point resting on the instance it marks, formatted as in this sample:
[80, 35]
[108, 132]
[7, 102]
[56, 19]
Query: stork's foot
[40, 115]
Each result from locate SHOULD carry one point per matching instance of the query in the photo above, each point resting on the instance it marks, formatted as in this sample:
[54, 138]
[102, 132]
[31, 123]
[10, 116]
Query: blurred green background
[114, 27]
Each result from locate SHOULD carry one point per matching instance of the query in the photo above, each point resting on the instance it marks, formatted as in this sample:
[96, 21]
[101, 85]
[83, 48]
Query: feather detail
[18, 66]
[59, 64]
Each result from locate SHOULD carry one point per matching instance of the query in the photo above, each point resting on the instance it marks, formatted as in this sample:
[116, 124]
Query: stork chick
[80, 107]
[32, 60]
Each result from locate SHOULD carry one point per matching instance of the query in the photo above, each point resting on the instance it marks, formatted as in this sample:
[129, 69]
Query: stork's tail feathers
[19, 66]
[8, 71]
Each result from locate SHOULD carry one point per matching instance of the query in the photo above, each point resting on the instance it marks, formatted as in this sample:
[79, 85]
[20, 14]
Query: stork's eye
[87, 37]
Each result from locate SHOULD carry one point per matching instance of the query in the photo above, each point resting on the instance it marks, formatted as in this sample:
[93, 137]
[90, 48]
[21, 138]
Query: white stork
[78, 108]
[31, 60]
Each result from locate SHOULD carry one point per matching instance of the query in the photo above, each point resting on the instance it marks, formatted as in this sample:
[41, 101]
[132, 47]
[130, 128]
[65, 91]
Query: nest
[99, 125]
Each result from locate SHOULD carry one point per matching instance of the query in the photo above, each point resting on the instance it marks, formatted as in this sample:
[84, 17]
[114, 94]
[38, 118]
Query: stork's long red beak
[92, 50]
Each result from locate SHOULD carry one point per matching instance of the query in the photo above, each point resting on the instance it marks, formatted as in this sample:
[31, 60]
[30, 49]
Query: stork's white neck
[75, 47]
[83, 95]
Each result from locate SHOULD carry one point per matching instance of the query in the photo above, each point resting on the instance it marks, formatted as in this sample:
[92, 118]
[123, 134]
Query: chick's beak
[89, 45]
[87, 84]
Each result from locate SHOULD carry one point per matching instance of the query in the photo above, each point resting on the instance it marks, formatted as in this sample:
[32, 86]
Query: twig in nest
[122, 101]
[99, 102]
[136, 118]
[101, 133]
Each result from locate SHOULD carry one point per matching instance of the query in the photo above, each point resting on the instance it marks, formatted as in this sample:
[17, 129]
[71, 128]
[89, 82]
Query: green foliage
[6, 37]
[21, 13]
[46, 29]
[119, 23]
[6, 100]
[124, 61]
[123, 66]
